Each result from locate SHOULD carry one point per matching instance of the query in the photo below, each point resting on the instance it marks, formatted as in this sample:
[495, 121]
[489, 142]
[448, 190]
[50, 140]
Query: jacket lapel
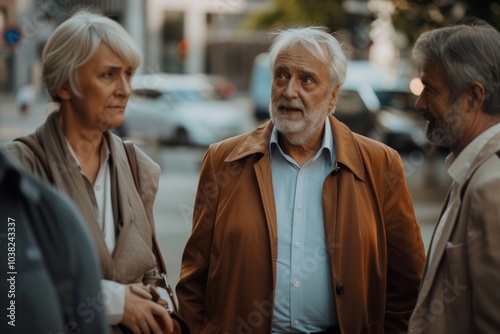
[443, 208]
[432, 265]
[264, 178]
[68, 178]
[257, 142]
[346, 148]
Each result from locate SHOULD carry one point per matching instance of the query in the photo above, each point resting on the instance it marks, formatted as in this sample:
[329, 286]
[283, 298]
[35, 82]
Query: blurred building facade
[176, 36]
[212, 39]
[192, 36]
[37, 19]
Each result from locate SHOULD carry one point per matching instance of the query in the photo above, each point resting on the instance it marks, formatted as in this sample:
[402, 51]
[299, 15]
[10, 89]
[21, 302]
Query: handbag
[156, 276]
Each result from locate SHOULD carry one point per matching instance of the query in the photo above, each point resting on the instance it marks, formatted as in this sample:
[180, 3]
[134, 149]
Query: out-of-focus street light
[416, 86]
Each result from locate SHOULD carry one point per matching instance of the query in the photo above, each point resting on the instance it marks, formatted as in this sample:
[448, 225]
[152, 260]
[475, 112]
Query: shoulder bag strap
[132, 160]
[39, 153]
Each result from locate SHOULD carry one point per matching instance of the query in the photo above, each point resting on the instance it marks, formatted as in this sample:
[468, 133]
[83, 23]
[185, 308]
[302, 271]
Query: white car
[181, 109]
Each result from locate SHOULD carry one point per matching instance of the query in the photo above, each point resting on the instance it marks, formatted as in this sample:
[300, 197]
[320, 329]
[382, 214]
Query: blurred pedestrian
[460, 69]
[50, 270]
[302, 226]
[88, 63]
[25, 98]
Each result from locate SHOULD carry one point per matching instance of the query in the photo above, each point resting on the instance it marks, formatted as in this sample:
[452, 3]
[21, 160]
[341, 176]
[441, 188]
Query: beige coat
[133, 255]
[374, 243]
[460, 290]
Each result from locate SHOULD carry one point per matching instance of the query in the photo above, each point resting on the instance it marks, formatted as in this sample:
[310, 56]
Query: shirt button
[302, 172]
[340, 289]
[295, 284]
[295, 322]
[98, 188]
[299, 207]
[297, 244]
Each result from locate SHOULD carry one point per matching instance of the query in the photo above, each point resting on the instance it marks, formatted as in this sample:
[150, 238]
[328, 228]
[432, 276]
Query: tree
[411, 17]
[414, 17]
[288, 13]
[327, 13]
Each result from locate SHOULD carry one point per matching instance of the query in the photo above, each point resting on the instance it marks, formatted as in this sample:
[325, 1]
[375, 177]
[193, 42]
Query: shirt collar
[460, 165]
[104, 152]
[327, 145]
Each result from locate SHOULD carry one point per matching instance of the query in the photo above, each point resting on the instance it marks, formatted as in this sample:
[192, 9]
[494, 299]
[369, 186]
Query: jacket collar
[489, 149]
[347, 150]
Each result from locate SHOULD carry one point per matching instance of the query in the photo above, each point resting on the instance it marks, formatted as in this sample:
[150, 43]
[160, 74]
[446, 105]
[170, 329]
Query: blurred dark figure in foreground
[460, 69]
[50, 271]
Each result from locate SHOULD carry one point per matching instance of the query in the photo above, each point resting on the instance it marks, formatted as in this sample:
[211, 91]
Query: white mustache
[284, 103]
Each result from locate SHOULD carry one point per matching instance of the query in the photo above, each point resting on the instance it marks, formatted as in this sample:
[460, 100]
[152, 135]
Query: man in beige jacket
[460, 69]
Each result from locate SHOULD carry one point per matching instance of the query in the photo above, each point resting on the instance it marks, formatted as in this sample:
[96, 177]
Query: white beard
[297, 130]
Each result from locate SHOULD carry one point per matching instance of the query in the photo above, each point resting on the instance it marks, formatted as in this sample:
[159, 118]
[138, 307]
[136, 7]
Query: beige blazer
[133, 254]
[460, 290]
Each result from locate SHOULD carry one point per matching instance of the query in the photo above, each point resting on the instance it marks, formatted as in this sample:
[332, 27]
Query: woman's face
[105, 87]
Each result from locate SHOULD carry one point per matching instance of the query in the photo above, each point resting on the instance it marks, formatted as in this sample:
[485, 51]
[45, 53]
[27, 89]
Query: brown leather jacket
[374, 243]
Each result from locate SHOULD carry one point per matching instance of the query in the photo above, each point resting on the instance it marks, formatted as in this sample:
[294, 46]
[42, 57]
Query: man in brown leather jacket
[302, 226]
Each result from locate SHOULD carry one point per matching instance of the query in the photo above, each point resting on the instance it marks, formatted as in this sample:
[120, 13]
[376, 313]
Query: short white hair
[75, 42]
[319, 42]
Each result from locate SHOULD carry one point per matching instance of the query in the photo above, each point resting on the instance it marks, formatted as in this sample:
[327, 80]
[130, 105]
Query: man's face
[301, 95]
[445, 120]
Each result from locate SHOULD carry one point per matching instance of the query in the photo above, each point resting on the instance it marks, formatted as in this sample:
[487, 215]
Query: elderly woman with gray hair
[88, 63]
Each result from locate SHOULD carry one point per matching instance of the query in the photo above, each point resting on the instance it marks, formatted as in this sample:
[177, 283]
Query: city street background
[426, 178]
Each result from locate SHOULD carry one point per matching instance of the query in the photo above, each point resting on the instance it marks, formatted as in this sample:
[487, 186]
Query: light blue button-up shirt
[304, 300]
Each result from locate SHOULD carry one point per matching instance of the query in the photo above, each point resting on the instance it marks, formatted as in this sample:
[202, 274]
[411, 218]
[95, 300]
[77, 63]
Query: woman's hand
[142, 315]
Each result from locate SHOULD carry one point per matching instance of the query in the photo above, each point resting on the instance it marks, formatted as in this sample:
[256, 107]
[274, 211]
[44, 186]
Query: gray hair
[75, 42]
[318, 42]
[467, 53]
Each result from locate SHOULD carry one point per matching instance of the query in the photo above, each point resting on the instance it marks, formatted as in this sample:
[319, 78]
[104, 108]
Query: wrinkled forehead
[299, 55]
[317, 51]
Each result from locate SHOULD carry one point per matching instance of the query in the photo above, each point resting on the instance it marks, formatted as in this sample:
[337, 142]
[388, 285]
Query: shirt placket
[297, 258]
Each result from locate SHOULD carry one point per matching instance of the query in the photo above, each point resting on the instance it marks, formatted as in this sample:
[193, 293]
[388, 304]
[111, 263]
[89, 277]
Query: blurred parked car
[181, 109]
[387, 115]
[260, 86]
[224, 88]
[371, 102]
[399, 122]
[387, 103]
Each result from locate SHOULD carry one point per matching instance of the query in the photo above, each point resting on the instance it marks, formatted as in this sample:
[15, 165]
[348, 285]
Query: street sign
[12, 36]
